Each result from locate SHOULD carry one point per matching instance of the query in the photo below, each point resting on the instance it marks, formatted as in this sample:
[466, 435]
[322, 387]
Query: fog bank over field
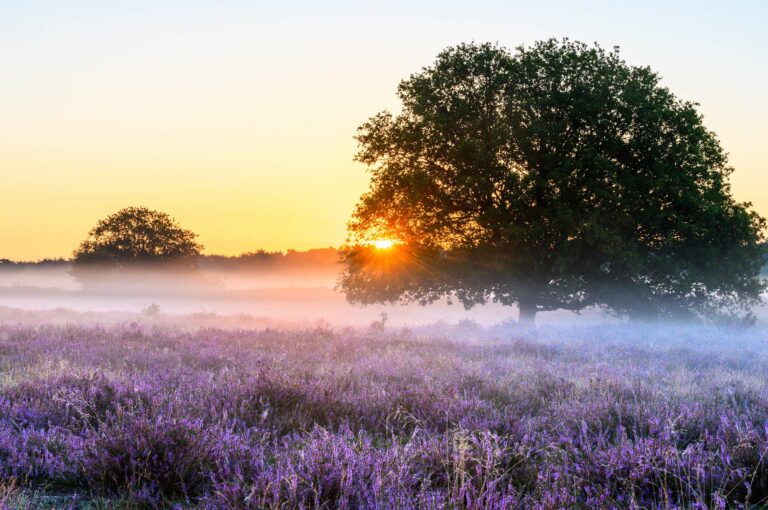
[278, 292]
[292, 290]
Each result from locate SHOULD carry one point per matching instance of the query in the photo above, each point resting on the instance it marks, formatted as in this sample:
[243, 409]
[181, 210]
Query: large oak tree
[556, 176]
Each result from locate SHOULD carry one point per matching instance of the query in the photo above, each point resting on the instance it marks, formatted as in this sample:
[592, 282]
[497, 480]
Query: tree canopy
[138, 235]
[554, 176]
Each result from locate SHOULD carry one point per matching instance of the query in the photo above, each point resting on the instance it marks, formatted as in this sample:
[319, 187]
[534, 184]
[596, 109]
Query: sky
[237, 117]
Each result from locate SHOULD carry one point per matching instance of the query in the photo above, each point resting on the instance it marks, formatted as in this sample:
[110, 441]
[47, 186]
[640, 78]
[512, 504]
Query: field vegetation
[147, 414]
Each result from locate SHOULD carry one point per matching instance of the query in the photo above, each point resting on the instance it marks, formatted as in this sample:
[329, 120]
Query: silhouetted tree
[137, 235]
[552, 177]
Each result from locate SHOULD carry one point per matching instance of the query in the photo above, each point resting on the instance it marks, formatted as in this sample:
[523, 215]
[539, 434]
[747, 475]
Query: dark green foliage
[137, 235]
[553, 177]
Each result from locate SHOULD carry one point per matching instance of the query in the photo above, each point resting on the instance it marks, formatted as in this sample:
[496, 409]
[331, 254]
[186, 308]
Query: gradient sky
[237, 117]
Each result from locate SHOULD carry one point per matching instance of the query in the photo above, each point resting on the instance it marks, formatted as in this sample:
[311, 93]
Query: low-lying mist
[285, 294]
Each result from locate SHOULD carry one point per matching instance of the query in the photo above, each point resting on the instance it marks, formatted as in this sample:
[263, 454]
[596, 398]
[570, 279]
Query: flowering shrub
[155, 458]
[164, 417]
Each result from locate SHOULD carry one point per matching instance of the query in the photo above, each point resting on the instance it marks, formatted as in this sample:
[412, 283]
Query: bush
[152, 458]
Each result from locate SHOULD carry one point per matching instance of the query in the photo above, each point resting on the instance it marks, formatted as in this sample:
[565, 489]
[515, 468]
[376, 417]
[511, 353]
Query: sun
[383, 244]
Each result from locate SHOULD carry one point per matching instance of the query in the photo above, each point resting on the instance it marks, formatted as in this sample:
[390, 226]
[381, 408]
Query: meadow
[148, 414]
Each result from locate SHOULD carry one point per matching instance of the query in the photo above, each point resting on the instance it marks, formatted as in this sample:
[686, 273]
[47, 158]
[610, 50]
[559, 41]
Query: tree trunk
[527, 315]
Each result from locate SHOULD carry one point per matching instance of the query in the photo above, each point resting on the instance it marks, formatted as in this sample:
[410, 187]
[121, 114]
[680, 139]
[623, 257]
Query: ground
[147, 414]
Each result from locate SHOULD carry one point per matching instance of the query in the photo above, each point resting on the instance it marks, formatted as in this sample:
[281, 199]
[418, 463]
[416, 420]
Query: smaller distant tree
[138, 236]
[152, 310]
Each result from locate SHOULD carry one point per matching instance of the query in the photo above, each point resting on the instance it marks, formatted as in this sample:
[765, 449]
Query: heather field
[156, 415]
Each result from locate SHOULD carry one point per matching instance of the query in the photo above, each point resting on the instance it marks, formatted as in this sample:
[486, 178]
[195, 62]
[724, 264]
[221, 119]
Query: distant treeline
[314, 259]
[259, 260]
[8, 263]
